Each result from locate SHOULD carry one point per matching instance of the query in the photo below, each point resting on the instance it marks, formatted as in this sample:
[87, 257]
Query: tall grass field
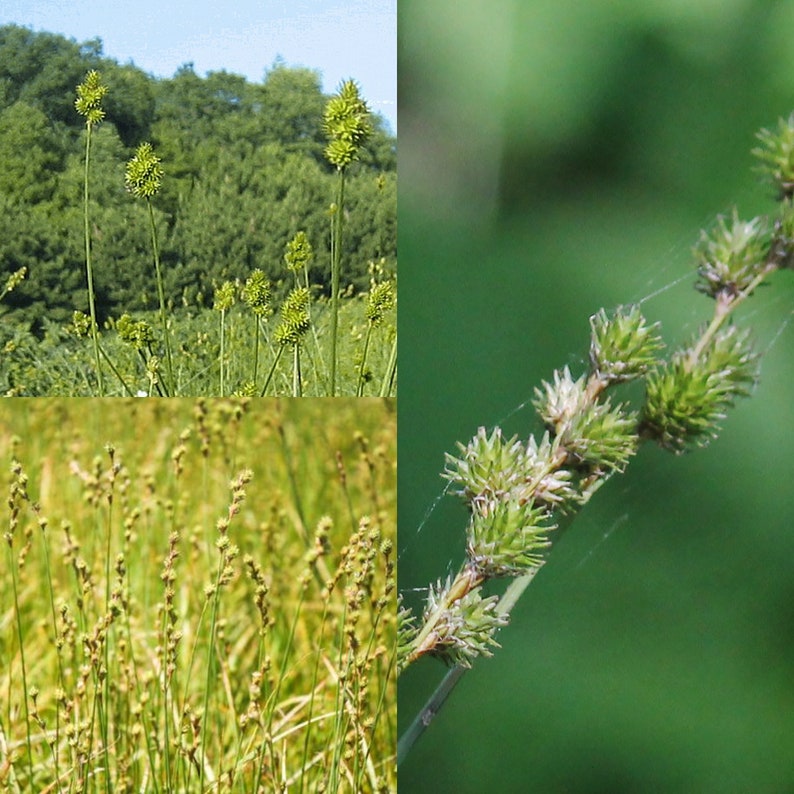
[213, 356]
[198, 596]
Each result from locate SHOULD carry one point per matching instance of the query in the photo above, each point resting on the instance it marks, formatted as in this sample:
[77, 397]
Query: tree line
[244, 171]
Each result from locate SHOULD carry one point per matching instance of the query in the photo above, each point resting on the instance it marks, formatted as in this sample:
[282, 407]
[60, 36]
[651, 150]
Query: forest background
[244, 171]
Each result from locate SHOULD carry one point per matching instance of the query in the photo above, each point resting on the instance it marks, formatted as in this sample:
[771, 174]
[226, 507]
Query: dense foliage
[244, 171]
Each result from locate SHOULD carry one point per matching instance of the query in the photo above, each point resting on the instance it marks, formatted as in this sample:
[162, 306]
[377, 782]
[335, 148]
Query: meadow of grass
[62, 363]
[198, 595]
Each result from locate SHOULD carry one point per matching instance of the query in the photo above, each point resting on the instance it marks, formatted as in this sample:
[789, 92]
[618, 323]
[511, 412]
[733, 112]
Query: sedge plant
[224, 300]
[522, 493]
[143, 178]
[297, 258]
[139, 335]
[256, 295]
[295, 313]
[380, 300]
[346, 124]
[90, 94]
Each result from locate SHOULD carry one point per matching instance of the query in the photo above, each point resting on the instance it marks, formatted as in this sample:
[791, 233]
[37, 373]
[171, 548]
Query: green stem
[318, 362]
[115, 371]
[272, 370]
[336, 265]
[282, 673]
[313, 690]
[22, 662]
[725, 305]
[297, 384]
[51, 594]
[105, 715]
[88, 268]
[360, 387]
[210, 667]
[257, 333]
[428, 712]
[166, 689]
[391, 370]
[223, 351]
[161, 294]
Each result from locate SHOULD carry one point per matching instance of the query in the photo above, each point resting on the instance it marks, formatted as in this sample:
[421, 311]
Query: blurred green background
[557, 157]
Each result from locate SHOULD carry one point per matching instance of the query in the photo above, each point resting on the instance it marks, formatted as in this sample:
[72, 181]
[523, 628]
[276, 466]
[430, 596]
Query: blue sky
[342, 39]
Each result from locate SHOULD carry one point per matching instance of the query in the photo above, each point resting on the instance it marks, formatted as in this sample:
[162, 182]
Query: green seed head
[299, 252]
[346, 125]
[89, 98]
[225, 296]
[294, 318]
[256, 293]
[144, 172]
[381, 299]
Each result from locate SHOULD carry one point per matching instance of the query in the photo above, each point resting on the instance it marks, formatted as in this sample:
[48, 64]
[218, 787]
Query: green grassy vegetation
[61, 362]
[198, 596]
[225, 183]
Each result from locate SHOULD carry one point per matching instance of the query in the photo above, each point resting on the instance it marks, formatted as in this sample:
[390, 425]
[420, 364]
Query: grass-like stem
[336, 268]
[171, 386]
[88, 263]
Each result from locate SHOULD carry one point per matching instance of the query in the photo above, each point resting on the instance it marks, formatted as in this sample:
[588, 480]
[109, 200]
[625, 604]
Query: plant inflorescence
[90, 94]
[521, 493]
[346, 123]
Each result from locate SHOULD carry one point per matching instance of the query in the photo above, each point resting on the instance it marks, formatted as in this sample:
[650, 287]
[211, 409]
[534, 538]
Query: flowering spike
[731, 256]
[622, 347]
[139, 333]
[346, 124]
[505, 537]
[466, 627]
[776, 152]
[381, 300]
[294, 318]
[299, 253]
[686, 399]
[224, 296]
[144, 172]
[90, 94]
[256, 293]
